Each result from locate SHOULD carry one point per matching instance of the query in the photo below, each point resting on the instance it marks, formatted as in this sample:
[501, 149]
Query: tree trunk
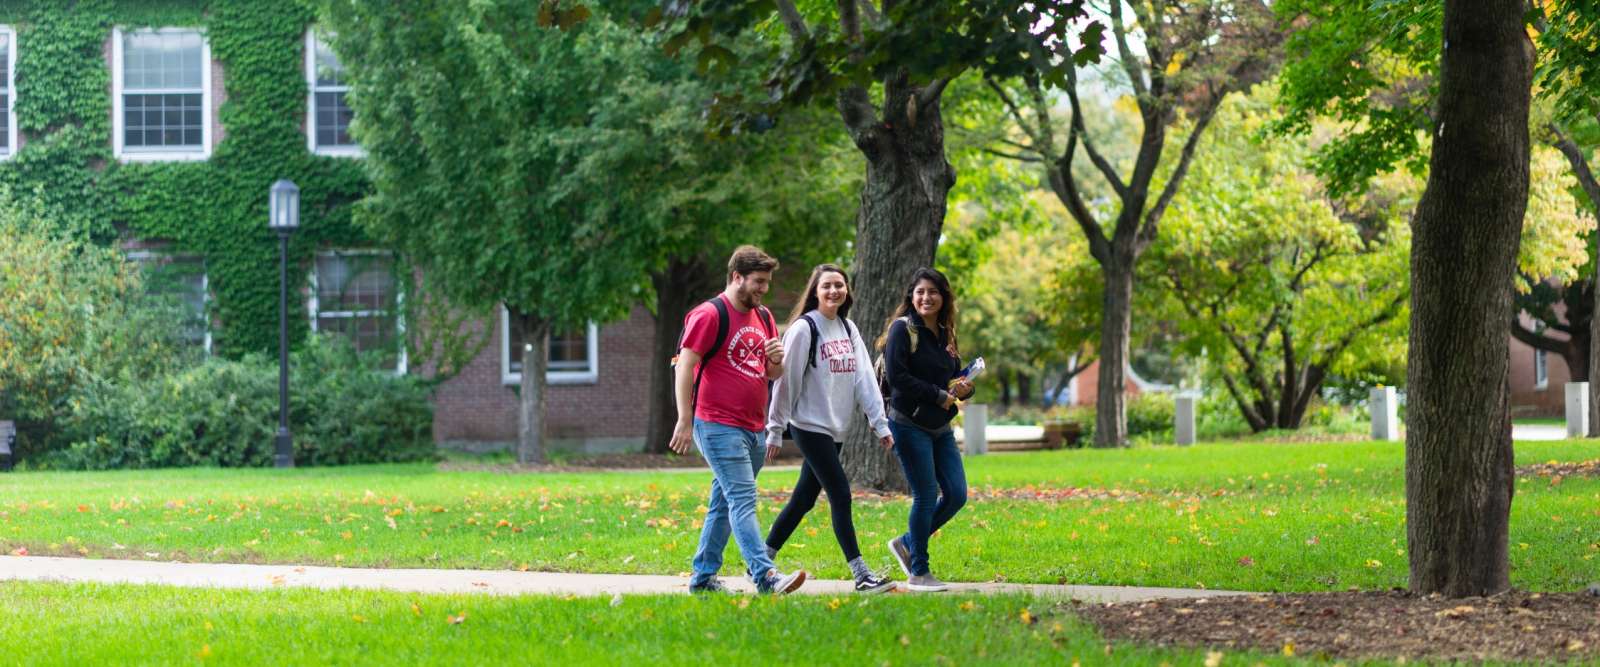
[1024, 388]
[1004, 378]
[1116, 319]
[897, 230]
[531, 392]
[679, 287]
[1459, 475]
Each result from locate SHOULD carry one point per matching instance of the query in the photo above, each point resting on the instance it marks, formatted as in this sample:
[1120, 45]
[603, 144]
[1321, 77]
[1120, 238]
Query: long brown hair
[947, 309]
[810, 302]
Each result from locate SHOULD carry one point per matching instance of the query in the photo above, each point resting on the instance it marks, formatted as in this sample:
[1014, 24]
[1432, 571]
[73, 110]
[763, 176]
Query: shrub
[225, 413]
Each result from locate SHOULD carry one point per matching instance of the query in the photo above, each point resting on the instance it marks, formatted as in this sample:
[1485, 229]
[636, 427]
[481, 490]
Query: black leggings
[821, 471]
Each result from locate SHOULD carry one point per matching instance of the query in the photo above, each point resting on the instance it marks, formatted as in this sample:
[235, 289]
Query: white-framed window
[8, 95]
[161, 94]
[327, 115]
[574, 355]
[1541, 370]
[181, 280]
[356, 294]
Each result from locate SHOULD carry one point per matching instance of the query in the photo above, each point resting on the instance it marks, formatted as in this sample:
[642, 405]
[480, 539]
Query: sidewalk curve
[493, 582]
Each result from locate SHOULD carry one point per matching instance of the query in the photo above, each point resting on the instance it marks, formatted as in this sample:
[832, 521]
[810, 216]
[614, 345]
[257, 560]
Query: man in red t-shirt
[724, 373]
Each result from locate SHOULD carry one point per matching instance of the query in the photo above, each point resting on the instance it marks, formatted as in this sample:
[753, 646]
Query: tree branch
[1152, 217]
[849, 20]
[1124, 54]
[874, 17]
[930, 93]
[1580, 164]
[1066, 188]
[1528, 337]
[1012, 156]
[1078, 128]
[1016, 114]
[793, 20]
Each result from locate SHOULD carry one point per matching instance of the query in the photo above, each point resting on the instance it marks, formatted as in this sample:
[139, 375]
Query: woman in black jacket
[921, 363]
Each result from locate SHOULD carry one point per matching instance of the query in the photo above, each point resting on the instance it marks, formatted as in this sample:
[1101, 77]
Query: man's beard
[748, 298]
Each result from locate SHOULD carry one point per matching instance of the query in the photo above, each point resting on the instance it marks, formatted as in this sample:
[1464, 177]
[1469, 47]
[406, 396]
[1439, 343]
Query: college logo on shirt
[747, 351]
[840, 355]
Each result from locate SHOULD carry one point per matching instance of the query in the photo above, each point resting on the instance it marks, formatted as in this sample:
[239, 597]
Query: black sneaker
[712, 585]
[872, 583]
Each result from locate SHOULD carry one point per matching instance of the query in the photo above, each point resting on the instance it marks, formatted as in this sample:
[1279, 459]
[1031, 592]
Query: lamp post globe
[283, 207]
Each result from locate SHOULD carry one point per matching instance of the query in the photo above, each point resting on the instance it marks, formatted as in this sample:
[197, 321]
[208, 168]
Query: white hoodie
[825, 398]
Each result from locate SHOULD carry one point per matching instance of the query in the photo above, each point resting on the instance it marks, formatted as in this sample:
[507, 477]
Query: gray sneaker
[902, 555]
[778, 583]
[926, 584]
[712, 585]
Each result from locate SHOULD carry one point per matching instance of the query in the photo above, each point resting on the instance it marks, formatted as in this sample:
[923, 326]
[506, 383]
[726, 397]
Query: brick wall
[477, 406]
[1086, 386]
[1527, 399]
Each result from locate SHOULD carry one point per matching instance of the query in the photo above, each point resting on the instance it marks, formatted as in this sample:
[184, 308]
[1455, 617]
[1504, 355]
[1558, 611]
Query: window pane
[180, 283]
[161, 61]
[354, 282]
[329, 71]
[162, 120]
[355, 299]
[568, 351]
[333, 120]
[5, 62]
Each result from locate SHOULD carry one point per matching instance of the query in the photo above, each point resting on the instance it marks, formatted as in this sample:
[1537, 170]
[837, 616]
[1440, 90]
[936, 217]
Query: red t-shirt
[733, 390]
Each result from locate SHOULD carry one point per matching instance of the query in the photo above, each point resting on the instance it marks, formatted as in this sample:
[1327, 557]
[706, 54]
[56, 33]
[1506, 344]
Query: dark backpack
[716, 343]
[811, 360]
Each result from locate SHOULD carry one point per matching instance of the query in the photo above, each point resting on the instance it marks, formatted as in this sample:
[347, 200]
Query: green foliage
[58, 298]
[215, 208]
[224, 413]
[1277, 283]
[1373, 67]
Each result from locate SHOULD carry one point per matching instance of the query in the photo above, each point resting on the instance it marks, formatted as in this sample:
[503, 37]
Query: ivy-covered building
[160, 125]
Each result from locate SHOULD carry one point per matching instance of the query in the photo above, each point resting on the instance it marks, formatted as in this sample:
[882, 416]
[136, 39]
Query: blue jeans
[938, 485]
[735, 456]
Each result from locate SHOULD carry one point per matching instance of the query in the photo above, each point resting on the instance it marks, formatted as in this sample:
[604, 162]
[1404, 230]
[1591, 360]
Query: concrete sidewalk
[492, 582]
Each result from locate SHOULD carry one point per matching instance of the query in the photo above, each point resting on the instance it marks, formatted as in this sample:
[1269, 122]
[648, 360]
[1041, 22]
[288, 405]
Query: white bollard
[1385, 414]
[975, 428]
[1577, 409]
[1183, 416]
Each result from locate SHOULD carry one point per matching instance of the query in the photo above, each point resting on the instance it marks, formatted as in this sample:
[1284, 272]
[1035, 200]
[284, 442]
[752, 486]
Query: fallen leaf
[416, 609]
[616, 599]
[1288, 649]
[19, 551]
[1213, 658]
[456, 620]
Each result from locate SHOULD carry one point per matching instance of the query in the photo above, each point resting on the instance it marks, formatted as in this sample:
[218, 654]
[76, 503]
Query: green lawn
[60, 624]
[1287, 517]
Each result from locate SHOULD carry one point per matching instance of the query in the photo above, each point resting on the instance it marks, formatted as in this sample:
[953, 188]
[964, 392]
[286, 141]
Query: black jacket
[919, 380]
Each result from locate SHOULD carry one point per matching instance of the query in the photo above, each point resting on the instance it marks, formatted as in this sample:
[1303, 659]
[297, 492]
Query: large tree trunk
[679, 288]
[897, 230]
[531, 392]
[1116, 319]
[1024, 388]
[1459, 476]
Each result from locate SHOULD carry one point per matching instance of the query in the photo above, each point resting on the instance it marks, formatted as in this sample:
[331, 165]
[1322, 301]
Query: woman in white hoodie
[828, 378]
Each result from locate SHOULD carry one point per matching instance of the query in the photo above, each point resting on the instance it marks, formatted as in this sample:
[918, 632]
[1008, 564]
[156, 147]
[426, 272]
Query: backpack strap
[716, 344]
[815, 332]
[911, 330]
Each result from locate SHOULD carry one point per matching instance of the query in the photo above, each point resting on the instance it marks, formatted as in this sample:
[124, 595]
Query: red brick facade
[1086, 386]
[478, 406]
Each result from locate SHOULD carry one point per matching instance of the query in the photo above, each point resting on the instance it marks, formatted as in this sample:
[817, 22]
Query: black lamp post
[284, 218]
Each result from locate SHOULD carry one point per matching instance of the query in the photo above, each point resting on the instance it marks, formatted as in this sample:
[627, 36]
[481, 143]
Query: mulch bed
[1556, 471]
[1515, 625]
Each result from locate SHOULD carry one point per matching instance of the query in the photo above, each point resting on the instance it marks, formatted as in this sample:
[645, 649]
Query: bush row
[224, 412]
